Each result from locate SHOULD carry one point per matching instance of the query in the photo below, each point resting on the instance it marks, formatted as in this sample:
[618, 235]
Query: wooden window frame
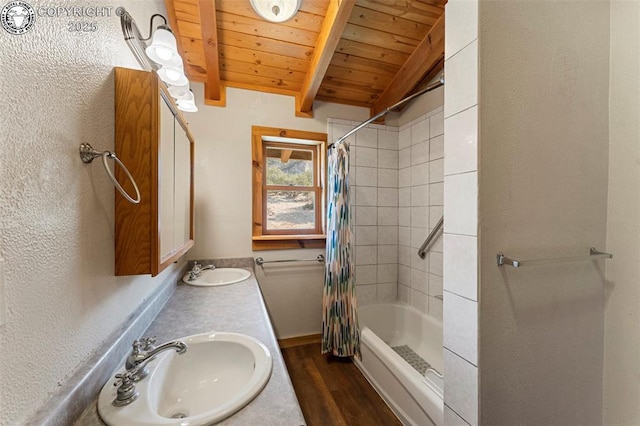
[263, 239]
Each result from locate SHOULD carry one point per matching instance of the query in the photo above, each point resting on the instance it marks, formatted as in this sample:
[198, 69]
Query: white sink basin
[218, 375]
[218, 276]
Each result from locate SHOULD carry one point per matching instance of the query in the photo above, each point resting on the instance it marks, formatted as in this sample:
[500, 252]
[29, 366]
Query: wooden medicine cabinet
[154, 142]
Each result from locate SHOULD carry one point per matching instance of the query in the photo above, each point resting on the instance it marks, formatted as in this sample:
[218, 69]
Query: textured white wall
[622, 310]
[544, 78]
[56, 213]
[292, 292]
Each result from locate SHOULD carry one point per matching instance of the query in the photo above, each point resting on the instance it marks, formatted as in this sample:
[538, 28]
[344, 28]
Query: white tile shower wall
[453, 419]
[397, 181]
[374, 178]
[420, 185]
[461, 387]
[460, 194]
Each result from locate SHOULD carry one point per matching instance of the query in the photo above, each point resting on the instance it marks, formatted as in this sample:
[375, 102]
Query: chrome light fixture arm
[163, 26]
[134, 39]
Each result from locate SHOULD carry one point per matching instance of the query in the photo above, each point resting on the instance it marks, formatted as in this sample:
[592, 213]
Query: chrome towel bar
[593, 255]
[260, 261]
[422, 251]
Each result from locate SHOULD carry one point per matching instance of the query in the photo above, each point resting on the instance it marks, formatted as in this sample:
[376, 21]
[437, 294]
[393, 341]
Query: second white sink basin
[218, 375]
[218, 276]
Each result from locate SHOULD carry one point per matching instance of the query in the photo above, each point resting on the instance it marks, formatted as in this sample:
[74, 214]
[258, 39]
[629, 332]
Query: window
[288, 188]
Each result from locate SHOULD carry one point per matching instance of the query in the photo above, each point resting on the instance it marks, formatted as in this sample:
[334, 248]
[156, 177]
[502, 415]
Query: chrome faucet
[137, 360]
[136, 368]
[137, 355]
[198, 269]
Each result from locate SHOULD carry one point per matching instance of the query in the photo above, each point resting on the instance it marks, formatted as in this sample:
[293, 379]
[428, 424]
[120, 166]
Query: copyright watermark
[18, 17]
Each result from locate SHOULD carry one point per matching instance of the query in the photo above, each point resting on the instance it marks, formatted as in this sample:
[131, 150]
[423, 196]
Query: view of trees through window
[292, 204]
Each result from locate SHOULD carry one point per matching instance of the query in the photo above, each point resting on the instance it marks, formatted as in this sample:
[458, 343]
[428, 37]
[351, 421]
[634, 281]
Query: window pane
[289, 166]
[290, 210]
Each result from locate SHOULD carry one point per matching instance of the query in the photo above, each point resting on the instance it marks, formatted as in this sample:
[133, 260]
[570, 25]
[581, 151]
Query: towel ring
[87, 154]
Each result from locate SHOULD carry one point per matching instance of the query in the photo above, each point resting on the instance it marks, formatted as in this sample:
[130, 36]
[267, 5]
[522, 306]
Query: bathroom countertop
[233, 308]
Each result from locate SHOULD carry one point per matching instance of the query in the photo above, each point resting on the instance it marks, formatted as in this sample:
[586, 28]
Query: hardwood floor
[332, 391]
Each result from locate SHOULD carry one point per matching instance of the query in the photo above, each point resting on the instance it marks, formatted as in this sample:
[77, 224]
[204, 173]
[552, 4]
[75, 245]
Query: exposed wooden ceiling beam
[212, 88]
[333, 25]
[427, 55]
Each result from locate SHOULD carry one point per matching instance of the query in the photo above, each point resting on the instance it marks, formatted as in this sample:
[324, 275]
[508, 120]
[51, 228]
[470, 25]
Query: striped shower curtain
[340, 333]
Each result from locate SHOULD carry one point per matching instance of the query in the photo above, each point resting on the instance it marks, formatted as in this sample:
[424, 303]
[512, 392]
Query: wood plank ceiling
[368, 53]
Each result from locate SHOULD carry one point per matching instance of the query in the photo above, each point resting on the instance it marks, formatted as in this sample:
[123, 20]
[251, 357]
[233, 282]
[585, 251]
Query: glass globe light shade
[276, 10]
[173, 76]
[187, 106]
[163, 49]
[179, 92]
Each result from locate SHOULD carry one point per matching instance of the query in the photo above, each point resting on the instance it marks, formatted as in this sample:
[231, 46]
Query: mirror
[166, 176]
[182, 195]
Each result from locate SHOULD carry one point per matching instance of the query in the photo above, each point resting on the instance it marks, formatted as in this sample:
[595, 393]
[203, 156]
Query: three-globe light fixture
[161, 55]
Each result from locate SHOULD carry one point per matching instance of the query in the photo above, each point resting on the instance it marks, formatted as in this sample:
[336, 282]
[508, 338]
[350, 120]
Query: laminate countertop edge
[237, 308]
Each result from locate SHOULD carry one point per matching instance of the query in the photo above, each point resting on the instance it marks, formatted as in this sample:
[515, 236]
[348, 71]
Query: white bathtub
[414, 399]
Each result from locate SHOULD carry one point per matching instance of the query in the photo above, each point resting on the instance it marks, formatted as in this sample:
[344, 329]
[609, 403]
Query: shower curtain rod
[435, 85]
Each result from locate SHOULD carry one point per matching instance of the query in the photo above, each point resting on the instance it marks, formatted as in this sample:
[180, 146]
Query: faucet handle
[126, 392]
[148, 343]
[143, 344]
[123, 378]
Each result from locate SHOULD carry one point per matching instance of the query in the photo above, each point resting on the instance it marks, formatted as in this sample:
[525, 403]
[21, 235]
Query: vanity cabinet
[154, 142]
